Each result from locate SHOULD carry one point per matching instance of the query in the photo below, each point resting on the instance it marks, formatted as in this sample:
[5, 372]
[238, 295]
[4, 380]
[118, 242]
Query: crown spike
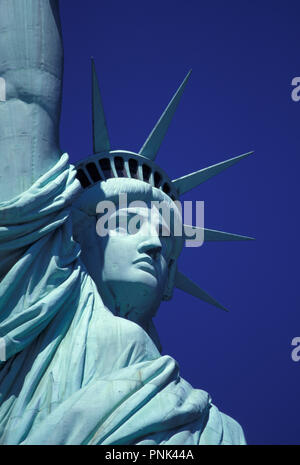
[185, 284]
[213, 235]
[100, 135]
[152, 144]
[188, 182]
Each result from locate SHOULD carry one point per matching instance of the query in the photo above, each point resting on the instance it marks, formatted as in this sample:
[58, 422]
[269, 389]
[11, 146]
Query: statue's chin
[145, 278]
[142, 291]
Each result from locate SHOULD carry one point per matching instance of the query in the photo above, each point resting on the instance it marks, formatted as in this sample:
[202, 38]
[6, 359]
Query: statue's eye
[135, 223]
[118, 225]
[126, 224]
[121, 224]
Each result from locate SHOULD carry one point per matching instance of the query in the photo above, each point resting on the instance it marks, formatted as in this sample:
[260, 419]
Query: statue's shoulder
[124, 336]
[222, 429]
[233, 432]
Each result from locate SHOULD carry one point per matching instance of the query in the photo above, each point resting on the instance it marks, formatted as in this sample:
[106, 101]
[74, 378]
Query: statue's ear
[172, 268]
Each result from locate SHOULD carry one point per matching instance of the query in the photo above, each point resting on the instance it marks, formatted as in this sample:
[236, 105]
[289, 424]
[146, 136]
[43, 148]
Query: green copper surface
[152, 144]
[82, 362]
[192, 180]
[100, 135]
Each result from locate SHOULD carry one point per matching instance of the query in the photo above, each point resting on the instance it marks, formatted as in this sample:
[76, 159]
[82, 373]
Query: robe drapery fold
[75, 373]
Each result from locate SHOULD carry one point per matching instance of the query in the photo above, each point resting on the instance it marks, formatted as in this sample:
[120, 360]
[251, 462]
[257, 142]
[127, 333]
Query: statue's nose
[154, 253]
[151, 247]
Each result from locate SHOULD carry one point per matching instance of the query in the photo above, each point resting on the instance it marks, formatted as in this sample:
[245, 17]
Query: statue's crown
[123, 164]
[106, 164]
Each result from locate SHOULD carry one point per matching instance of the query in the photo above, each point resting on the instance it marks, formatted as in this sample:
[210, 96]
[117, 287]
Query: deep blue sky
[244, 55]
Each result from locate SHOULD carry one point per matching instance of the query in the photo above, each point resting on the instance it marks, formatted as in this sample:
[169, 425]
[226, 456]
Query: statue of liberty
[81, 360]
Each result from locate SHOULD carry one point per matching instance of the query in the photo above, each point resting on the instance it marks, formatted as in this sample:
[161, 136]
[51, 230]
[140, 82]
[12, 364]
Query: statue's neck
[131, 301]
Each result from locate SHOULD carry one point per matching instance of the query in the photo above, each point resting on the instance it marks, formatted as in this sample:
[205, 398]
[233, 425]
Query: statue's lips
[146, 264]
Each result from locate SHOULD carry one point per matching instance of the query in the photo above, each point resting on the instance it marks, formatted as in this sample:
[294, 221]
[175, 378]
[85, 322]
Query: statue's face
[136, 255]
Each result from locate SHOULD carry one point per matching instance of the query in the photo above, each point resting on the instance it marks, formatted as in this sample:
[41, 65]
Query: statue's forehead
[142, 211]
[151, 213]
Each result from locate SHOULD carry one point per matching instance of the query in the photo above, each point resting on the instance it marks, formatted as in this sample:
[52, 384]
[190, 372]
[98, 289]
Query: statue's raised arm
[31, 64]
